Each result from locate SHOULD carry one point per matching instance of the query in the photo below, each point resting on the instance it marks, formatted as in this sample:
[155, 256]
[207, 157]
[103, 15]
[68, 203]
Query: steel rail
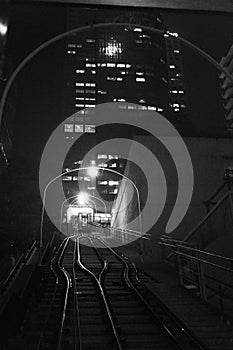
[68, 284]
[196, 341]
[52, 299]
[98, 282]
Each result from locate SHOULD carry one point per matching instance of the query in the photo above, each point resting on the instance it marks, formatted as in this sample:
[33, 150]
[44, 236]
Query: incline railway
[92, 298]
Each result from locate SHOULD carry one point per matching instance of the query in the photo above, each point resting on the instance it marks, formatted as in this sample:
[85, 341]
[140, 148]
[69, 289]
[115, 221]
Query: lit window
[178, 75]
[113, 183]
[88, 91]
[78, 91]
[86, 178]
[176, 51]
[90, 129]
[138, 41]
[90, 84]
[128, 65]
[152, 108]
[88, 64]
[111, 64]
[175, 105]
[78, 128]
[68, 127]
[71, 52]
[79, 46]
[79, 105]
[93, 72]
[174, 91]
[139, 73]
[102, 64]
[181, 92]
[183, 106]
[176, 109]
[102, 156]
[142, 100]
[142, 80]
[90, 106]
[137, 30]
[172, 66]
[90, 98]
[66, 178]
[81, 71]
[102, 182]
[91, 187]
[119, 79]
[113, 191]
[79, 84]
[71, 45]
[160, 109]
[121, 65]
[146, 36]
[79, 98]
[102, 92]
[114, 165]
[111, 78]
[174, 34]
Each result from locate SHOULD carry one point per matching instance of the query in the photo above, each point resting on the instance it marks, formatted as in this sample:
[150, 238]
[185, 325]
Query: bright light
[82, 198]
[3, 28]
[92, 171]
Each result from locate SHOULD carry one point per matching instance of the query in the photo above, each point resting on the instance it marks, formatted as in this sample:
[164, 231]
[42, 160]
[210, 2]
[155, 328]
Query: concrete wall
[208, 158]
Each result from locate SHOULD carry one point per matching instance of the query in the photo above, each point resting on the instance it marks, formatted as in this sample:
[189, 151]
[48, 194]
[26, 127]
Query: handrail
[200, 251]
[204, 261]
[5, 282]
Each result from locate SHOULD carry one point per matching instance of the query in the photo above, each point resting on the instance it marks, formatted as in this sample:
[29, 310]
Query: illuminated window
[111, 47]
[137, 30]
[79, 84]
[88, 91]
[79, 46]
[152, 108]
[113, 183]
[81, 71]
[102, 183]
[79, 98]
[90, 129]
[128, 65]
[78, 128]
[93, 72]
[111, 64]
[139, 73]
[142, 100]
[114, 165]
[160, 109]
[123, 72]
[142, 80]
[66, 178]
[103, 165]
[119, 79]
[172, 66]
[181, 92]
[86, 178]
[90, 84]
[102, 92]
[121, 65]
[90, 98]
[111, 78]
[71, 52]
[90, 106]
[79, 105]
[102, 156]
[138, 41]
[78, 91]
[175, 105]
[174, 91]
[113, 191]
[176, 109]
[176, 51]
[68, 127]
[91, 187]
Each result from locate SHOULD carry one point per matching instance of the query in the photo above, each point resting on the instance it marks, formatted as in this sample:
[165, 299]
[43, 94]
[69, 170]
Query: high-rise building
[6, 127]
[119, 64]
[227, 88]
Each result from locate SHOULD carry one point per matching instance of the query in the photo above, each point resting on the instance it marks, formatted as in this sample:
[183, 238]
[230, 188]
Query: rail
[207, 274]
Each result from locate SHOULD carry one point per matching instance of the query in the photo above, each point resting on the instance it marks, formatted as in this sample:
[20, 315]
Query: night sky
[40, 84]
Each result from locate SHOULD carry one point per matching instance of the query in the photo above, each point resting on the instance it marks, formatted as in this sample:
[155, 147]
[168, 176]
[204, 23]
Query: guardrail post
[179, 265]
[201, 277]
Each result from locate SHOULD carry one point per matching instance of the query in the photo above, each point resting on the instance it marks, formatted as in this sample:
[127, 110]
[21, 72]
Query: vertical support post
[179, 265]
[201, 277]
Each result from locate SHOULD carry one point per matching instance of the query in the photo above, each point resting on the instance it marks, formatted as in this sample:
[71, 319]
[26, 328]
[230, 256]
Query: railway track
[94, 299]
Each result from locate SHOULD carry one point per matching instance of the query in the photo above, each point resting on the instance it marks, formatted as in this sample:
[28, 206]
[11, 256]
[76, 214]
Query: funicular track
[94, 299]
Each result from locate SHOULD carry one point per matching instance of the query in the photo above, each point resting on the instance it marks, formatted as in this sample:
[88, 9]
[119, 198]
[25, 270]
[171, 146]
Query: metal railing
[209, 275]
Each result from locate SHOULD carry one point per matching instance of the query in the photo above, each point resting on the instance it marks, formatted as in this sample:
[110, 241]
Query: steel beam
[196, 5]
